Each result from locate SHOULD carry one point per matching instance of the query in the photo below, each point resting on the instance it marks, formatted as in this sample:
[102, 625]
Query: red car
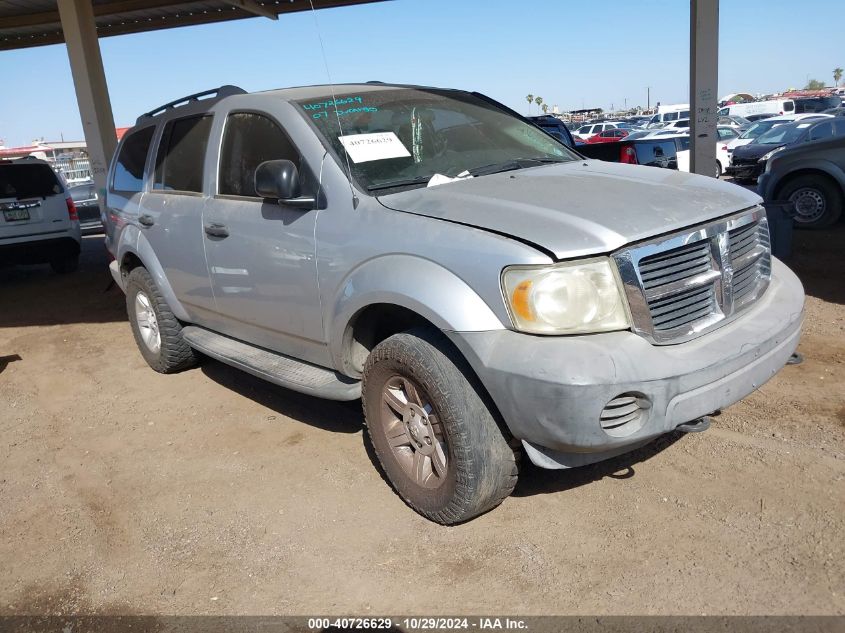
[616, 134]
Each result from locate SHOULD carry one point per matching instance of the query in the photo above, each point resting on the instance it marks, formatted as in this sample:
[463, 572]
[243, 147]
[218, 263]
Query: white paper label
[363, 148]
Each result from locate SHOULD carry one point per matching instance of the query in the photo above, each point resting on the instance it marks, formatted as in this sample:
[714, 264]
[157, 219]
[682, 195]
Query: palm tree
[530, 99]
[837, 75]
[538, 101]
[545, 108]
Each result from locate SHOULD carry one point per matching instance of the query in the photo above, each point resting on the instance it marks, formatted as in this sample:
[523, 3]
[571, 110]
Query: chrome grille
[690, 282]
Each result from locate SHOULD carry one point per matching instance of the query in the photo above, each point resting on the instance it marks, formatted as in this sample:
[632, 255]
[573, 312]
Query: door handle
[146, 220]
[216, 230]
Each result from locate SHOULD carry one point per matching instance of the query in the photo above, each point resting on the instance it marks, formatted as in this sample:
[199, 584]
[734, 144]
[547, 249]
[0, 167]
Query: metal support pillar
[89, 80]
[704, 79]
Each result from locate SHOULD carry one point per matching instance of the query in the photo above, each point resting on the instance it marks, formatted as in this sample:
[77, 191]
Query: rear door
[32, 201]
[170, 215]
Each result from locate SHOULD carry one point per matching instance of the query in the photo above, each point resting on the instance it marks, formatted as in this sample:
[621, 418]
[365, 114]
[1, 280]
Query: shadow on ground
[818, 258]
[328, 415]
[35, 295]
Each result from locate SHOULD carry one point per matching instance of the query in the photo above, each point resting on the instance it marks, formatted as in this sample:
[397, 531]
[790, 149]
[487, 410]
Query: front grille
[749, 248]
[691, 282]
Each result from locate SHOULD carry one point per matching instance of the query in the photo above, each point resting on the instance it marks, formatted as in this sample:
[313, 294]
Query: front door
[261, 255]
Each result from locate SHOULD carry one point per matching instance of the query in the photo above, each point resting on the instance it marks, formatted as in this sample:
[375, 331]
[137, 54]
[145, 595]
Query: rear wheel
[64, 265]
[817, 201]
[432, 429]
[718, 170]
[157, 332]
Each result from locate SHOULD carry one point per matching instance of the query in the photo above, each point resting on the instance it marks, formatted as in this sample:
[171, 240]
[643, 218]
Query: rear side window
[28, 181]
[181, 154]
[788, 106]
[249, 140]
[822, 130]
[129, 170]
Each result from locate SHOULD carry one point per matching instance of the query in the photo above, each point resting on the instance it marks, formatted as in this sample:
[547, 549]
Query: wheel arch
[824, 169]
[139, 252]
[393, 293]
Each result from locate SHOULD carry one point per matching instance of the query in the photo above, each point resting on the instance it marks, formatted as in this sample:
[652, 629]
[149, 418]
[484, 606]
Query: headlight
[768, 155]
[569, 298]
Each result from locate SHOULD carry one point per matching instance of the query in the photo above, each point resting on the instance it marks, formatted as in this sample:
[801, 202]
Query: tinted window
[181, 154]
[35, 180]
[822, 130]
[248, 141]
[788, 106]
[670, 116]
[129, 170]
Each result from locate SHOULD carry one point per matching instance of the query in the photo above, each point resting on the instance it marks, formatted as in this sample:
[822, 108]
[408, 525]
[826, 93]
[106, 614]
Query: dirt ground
[210, 492]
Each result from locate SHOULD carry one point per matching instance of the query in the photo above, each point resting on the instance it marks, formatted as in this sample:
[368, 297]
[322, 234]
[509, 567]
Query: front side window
[404, 136]
[129, 169]
[181, 154]
[788, 106]
[249, 140]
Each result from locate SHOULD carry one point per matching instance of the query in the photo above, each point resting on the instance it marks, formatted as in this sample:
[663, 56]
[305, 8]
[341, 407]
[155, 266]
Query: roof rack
[218, 93]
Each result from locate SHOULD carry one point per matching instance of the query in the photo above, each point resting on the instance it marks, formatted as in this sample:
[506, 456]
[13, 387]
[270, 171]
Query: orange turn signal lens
[519, 300]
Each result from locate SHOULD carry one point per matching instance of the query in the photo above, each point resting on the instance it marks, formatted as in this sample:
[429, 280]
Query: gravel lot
[210, 492]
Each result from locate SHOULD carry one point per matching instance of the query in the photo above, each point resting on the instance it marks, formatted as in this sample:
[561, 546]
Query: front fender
[133, 241]
[776, 176]
[417, 284]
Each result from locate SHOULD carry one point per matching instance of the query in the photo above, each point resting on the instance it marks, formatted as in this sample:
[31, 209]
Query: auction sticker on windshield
[363, 148]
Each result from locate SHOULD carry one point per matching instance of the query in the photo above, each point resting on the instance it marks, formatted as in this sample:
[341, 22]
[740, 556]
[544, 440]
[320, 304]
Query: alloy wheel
[147, 322]
[414, 432]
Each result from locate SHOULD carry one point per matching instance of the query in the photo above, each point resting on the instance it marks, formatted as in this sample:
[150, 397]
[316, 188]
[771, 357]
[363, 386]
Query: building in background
[68, 158]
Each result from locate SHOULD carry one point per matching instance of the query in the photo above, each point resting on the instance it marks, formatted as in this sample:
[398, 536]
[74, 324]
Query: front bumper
[746, 171]
[551, 391]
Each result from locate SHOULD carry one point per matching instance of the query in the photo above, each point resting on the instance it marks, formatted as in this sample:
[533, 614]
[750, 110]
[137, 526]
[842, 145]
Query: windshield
[759, 127]
[35, 180]
[741, 120]
[407, 135]
[783, 134]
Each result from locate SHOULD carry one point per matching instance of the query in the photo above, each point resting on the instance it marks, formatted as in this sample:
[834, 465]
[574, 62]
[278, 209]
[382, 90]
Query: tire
[817, 200]
[65, 265]
[481, 467]
[172, 353]
[718, 170]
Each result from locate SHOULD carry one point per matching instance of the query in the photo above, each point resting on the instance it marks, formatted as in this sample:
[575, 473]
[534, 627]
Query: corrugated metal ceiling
[27, 23]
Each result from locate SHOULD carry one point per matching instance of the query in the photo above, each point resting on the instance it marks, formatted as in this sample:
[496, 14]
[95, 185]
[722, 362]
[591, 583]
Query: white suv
[38, 220]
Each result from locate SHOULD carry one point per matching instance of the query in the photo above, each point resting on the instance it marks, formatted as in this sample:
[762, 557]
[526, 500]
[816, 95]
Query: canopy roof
[27, 23]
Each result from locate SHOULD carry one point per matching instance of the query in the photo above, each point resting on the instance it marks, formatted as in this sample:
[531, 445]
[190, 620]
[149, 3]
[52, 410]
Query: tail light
[724, 148]
[71, 209]
[628, 155]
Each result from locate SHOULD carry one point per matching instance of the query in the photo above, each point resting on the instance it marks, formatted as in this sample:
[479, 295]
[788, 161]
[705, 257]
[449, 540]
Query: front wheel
[432, 429]
[817, 201]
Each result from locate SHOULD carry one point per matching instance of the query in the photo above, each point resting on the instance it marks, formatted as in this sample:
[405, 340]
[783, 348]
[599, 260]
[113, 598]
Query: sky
[573, 54]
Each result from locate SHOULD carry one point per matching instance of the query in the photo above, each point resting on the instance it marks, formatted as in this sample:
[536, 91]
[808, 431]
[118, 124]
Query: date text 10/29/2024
[419, 624]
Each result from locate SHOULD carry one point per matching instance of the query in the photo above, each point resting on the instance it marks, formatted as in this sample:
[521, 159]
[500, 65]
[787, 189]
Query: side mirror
[279, 180]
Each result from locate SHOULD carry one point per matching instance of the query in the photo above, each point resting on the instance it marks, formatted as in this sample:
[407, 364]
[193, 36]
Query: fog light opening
[625, 414]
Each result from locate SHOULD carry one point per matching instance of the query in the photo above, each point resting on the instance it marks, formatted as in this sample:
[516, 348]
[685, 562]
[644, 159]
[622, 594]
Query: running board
[274, 367]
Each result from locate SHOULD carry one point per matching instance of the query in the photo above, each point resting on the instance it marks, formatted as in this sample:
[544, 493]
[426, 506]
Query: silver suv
[485, 290]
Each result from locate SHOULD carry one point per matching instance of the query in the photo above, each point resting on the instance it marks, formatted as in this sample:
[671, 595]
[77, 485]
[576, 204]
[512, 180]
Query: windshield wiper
[512, 164]
[419, 180]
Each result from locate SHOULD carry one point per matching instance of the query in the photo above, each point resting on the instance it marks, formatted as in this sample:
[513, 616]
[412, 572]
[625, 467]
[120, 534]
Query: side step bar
[274, 367]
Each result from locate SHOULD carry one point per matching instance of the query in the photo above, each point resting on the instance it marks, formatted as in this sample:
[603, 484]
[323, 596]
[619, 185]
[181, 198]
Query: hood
[578, 208]
[755, 150]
